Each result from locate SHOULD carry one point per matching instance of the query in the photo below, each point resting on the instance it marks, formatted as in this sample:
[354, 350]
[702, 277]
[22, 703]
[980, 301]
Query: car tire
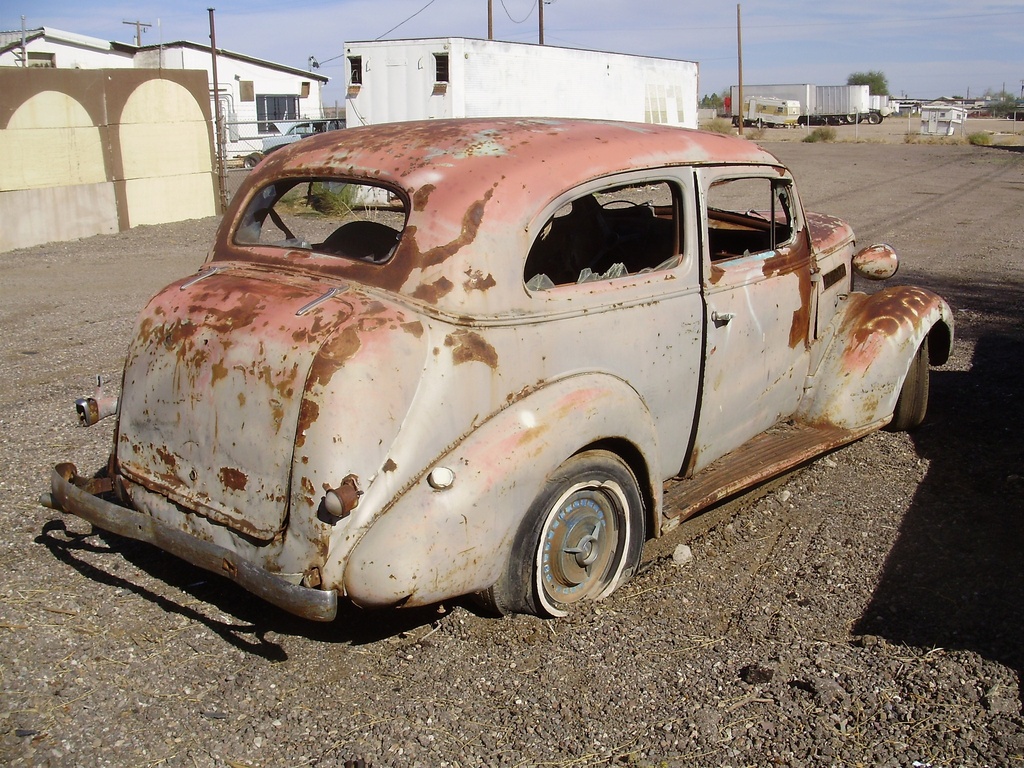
[581, 538]
[912, 404]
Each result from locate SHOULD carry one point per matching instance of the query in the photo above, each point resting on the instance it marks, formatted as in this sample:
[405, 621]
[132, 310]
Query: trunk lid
[213, 389]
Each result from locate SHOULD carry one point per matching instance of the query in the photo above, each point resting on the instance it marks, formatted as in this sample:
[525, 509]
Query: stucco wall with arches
[86, 152]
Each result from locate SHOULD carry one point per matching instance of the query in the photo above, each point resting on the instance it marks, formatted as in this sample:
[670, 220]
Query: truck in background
[398, 80]
[769, 112]
[823, 104]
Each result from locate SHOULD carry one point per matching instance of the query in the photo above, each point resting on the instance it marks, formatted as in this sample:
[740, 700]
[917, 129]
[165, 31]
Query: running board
[771, 453]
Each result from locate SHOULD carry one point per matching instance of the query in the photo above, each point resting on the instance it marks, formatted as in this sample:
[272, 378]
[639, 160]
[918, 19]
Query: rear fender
[432, 543]
[870, 346]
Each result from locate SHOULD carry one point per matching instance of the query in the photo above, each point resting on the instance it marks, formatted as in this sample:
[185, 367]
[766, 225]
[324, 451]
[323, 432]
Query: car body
[492, 357]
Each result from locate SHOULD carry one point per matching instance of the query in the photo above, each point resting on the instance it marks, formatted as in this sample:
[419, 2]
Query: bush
[719, 125]
[822, 133]
[331, 199]
[980, 139]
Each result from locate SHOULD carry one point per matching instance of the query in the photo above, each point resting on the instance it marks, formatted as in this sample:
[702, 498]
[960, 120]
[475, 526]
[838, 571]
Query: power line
[529, 13]
[421, 10]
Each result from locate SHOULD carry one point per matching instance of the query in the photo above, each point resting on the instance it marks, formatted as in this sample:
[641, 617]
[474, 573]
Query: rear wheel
[912, 404]
[581, 538]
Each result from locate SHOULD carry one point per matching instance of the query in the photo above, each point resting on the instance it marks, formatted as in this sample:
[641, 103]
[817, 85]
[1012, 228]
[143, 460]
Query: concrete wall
[86, 152]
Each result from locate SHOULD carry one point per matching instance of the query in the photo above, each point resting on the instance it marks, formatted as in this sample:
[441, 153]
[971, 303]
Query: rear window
[328, 217]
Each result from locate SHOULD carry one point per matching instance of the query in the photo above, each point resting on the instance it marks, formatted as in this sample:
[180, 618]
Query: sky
[926, 49]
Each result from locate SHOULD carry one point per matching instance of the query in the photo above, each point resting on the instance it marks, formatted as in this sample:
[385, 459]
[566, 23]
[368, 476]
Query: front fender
[870, 346]
[433, 543]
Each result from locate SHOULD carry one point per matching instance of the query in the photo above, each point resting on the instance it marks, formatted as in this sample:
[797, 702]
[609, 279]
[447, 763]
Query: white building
[397, 80]
[53, 48]
[942, 119]
[253, 93]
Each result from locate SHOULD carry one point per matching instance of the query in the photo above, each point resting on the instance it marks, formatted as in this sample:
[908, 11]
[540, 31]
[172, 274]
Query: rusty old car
[492, 358]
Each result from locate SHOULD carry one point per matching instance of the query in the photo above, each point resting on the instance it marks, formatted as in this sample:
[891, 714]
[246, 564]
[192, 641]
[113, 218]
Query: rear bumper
[70, 494]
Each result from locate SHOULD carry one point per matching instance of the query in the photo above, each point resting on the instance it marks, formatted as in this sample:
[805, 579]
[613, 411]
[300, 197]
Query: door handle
[722, 318]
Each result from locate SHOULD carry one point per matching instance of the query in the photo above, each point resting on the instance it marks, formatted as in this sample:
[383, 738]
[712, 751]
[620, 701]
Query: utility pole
[139, 28]
[540, 17]
[490, 19]
[218, 120]
[739, 59]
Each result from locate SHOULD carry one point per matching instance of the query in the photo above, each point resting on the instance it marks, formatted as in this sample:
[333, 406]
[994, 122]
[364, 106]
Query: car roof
[475, 186]
[407, 154]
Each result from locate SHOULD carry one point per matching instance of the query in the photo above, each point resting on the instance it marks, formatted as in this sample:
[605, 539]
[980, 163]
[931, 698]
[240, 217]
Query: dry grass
[822, 133]
[719, 125]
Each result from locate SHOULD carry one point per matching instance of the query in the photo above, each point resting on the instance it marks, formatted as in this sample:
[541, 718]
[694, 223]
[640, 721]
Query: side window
[748, 215]
[611, 233]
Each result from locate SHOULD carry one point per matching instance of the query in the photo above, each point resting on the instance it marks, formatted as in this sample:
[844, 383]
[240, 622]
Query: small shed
[941, 119]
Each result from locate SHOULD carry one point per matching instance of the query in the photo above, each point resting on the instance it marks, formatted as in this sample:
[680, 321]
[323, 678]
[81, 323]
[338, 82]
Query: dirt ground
[864, 611]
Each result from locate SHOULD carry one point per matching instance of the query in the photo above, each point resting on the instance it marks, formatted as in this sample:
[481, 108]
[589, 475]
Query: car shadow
[252, 622]
[955, 576]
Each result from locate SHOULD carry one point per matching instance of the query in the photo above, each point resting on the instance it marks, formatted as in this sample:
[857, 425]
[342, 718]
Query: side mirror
[876, 262]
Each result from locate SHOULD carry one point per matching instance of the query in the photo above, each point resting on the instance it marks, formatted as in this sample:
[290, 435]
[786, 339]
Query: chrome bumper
[70, 494]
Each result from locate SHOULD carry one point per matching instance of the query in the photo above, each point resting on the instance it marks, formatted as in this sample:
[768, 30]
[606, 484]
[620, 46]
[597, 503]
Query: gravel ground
[866, 610]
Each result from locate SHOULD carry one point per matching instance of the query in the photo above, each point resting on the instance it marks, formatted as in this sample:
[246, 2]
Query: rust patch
[339, 348]
[434, 291]
[477, 280]
[218, 372]
[421, 196]
[309, 412]
[232, 478]
[166, 457]
[390, 466]
[468, 346]
[414, 328]
[800, 329]
[871, 320]
[470, 224]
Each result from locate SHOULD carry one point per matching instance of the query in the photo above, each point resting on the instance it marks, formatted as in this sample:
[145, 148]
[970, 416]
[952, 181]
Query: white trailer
[766, 111]
[399, 80]
[821, 104]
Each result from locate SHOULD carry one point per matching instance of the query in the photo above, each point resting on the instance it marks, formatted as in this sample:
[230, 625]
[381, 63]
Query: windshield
[325, 216]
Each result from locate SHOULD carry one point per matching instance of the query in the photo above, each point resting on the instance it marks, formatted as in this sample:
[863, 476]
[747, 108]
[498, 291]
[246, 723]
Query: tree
[711, 101]
[876, 81]
[1004, 104]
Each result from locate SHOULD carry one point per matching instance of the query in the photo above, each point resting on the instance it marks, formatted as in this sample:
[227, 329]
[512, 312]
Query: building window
[270, 108]
[440, 67]
[355, 68]
[41, 59]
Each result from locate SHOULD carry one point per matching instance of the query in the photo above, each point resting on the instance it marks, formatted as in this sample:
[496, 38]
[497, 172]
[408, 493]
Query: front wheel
[912, 404]
[581, 538]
